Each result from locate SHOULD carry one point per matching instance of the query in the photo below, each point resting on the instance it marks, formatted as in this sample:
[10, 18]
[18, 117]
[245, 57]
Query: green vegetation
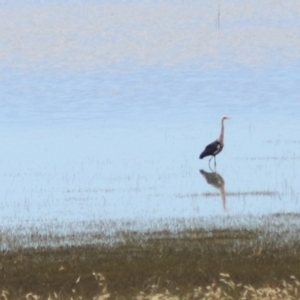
[190, 264]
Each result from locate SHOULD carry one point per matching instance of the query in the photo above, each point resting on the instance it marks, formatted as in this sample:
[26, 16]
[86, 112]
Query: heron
[215, 147]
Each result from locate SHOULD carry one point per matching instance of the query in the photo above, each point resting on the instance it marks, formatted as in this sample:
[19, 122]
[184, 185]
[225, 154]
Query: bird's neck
[221, 138]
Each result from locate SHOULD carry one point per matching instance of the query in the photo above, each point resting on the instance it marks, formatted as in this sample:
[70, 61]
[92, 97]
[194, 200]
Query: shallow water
[105, 108]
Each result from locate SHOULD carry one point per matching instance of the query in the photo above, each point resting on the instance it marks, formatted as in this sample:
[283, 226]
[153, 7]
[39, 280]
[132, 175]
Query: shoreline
[178, 264]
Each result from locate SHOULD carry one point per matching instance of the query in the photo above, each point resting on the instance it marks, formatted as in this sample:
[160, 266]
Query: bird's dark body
[212, 149]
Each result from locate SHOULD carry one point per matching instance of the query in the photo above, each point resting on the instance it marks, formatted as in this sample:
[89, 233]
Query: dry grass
[225, 289]
[160, 265]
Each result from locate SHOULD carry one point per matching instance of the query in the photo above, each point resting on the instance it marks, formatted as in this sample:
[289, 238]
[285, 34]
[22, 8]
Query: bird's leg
[215, 161]
[210, 166]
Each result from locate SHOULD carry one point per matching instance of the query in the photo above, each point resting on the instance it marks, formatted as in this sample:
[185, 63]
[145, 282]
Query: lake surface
[105, 108]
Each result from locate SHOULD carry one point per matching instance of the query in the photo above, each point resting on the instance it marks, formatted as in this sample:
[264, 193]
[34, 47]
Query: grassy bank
[185, 265]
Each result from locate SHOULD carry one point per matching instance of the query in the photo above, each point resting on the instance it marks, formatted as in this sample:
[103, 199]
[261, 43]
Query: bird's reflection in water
[218, 182]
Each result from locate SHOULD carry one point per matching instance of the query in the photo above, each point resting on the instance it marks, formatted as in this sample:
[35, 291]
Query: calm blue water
[105, 108]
